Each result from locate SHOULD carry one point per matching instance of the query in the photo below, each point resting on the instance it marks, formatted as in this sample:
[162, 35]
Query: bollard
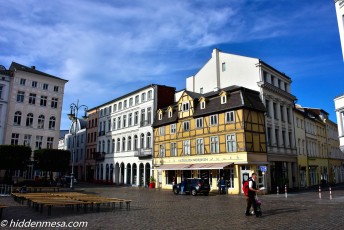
[277, 191]
[319, 192]
[285, 191]
[330, 194]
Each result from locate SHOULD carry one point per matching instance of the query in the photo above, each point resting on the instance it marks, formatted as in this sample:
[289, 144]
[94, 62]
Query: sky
[109, 48]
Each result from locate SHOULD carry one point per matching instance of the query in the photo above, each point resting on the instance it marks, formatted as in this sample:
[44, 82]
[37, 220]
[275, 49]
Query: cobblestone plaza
[160, 209]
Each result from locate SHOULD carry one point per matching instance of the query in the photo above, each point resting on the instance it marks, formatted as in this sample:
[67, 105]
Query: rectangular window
[114, 124]
[223, 66]
[223, 99]
[269, 136]
[229, 116]
[186, 125]
[202, 104]
[173, 128]
[43, 101]
[20, 96]
[130, 120]
[50, 142]
[34, 84]
[45, 86]
[283, 139]
[22, 81]
[231, 143]
[213, 120]
[162, 150]
[186, 147]
[199, 123]
[56, 88]
[39, 141]
[124, 121]
[149, 115]
[214, 145]
[136, 118]
[1, 90]
[54, 102]
[199, 146]
[185, 106]
[275, 110]
[32, 98]
[15, 139]
[27, 140]
[282, 112]
[173, 149]
[162, 131]
[149, 94]
[276, 137]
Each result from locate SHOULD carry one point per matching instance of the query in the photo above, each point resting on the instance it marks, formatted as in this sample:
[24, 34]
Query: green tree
[14, 157]
[52, 160]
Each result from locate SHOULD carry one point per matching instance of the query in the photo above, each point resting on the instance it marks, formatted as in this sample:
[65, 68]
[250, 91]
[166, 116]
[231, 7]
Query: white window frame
[230, 117]
[173, 149]
[162, 131]
[231, 143]
[173, 128]
[199, 123]
[186, 148]
[185, 106]
[199, 146]
[186, 125]
[213, 120]
[214, 144]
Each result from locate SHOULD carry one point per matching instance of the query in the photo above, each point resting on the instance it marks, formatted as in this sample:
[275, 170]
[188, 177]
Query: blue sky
[112, 47]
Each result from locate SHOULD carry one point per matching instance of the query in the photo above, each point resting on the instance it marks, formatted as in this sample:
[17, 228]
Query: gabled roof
[237, 97]
[16, 66]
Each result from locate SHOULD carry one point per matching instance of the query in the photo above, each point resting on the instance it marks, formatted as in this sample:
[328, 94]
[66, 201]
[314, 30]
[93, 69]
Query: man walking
[252, 190]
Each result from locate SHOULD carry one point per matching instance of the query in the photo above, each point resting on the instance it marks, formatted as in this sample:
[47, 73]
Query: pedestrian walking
[252, 190]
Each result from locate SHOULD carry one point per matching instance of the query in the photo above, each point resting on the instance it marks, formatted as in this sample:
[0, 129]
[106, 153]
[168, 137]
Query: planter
[151, 184]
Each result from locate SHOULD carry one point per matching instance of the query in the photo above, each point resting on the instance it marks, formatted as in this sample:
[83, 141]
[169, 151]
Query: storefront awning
[173, 167]
[210, 165]
[193, 166]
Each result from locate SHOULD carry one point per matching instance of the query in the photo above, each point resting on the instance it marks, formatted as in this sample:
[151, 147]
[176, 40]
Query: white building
[34, 109]
[223, 70]
[340, 18]
[339, 106]
[5, 77]
[126, 135]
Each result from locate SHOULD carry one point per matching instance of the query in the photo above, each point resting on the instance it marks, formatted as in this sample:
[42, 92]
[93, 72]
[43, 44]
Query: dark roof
[16, 66]
[237, 97]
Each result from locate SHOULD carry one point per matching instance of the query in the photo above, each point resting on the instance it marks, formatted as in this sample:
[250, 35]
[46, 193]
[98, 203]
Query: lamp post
[73, 116]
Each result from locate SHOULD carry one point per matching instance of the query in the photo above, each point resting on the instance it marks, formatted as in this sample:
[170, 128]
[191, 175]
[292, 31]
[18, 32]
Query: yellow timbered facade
[209, 136]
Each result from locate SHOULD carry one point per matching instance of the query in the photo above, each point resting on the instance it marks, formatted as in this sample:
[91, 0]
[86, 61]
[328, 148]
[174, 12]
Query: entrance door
[244, 175]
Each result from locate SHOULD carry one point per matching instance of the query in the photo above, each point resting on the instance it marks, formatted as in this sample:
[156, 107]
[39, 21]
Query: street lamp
[73, 116]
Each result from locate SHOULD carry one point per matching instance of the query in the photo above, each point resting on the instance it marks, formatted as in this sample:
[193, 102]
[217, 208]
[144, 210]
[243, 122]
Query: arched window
[143, 97]
[40, 124]
[29, 119]
[142, 141]
[103, 146]
[129, 143]
[113, 145]
[17, 118]
[52, 122]
[100, 146]
[123, 144]
[149, 141]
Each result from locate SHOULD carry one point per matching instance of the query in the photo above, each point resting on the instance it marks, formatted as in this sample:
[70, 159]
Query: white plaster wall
[340, 19]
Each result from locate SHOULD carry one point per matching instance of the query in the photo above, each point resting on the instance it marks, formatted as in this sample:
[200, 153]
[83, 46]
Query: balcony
[143, 153]
[99, 156]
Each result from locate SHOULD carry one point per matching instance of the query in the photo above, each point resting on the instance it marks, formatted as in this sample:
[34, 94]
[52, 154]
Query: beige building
[34, 108]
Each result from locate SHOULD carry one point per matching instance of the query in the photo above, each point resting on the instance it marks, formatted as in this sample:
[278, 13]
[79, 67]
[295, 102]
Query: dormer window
[202, 104]
[223, 99]
[170, 113]
[160, 116]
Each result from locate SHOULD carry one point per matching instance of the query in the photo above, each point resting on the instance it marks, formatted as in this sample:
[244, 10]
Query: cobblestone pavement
[159, 209]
